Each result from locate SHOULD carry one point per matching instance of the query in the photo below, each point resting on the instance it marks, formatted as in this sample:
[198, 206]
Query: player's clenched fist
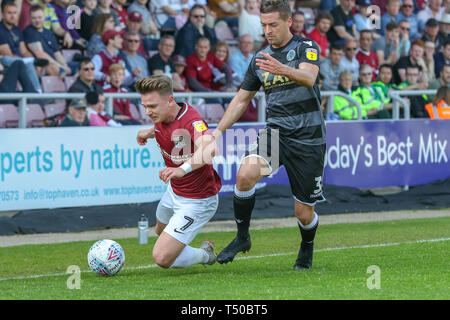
[143, 135]
[168, 173]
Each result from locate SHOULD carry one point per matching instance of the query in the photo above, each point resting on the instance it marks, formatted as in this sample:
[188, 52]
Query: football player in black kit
[294, 136]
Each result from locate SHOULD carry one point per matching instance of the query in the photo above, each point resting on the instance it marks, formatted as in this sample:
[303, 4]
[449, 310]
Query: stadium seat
[151, 53]
[201, 110]
[53, 84]
[68, 54]
[223, 33]
[51, 110]
[9, 116]
[35, 116]
[214, 112]
[145, 119]
[309, 16]
[69, 80]
[135, 112]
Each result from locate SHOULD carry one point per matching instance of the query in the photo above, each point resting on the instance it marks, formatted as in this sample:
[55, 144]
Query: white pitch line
[249, 257]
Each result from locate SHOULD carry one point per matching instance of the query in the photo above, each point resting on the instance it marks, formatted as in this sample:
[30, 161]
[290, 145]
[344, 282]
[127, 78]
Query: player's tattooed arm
[305, 75]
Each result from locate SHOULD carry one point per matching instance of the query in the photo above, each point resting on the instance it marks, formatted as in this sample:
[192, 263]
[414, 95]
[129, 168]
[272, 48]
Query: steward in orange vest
[439, 111]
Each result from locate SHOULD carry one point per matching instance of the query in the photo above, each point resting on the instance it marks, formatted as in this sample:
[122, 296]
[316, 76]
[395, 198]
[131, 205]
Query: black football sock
[243, 203]
[308, 232]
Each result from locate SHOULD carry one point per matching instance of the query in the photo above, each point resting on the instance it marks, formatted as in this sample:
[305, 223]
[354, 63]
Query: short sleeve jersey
[293, 109]
[176, 143]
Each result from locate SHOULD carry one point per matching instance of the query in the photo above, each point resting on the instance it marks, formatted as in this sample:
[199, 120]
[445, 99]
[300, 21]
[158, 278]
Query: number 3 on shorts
[318, 185]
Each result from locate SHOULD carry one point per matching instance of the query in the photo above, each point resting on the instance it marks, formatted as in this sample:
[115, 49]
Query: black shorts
[304, 163]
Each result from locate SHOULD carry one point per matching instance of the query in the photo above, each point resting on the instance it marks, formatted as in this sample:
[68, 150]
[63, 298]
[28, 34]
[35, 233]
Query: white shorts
[185, 216]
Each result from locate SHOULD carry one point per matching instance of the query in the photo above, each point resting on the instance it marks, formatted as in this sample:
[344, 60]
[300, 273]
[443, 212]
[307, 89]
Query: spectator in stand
[122, 112]
[407, 13]
[383, 85]
[442, 58]
[102, 23]
[195, 28]
[199, 71]
[324, 21]
[240, 59]
[43, 44]
[404, 42]
[387, 48]
[222, 51]
[362, 18]
[349, 61]
[226, 11]
[428, 58]
[415, 58]
[87, 19]
[166, 12]
[443, 80]
[364, 54]
[77, 114]
[344, 27]
[330, 68]
[9, 77]
[417, 103]
[439, 108]
[367, 97]
[122, 13]
[250, 21]
[327, 5]
[135, 62]
[149, 30]
[51, 20]
[134, 24]
[298, 24]
[86, 78]
[96, 111]
[161, 63]
[12, 46]
[431, 32]
[342, 107]
[433, 10]
[391, 15]
[104, 6]
[108, 56]
[180, 65]
[444, 31]
[68, 23]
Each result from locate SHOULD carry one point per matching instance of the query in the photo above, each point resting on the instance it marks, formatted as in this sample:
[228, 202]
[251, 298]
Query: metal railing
[23, 99]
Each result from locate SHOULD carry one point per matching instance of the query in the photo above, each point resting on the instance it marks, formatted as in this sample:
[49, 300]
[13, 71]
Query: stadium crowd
[103, 46]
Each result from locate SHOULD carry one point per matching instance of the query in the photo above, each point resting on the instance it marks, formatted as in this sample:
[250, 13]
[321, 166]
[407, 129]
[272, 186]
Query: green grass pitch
[411, 259]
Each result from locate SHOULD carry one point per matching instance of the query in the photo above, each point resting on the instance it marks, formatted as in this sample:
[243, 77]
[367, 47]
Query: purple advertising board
[361, 154]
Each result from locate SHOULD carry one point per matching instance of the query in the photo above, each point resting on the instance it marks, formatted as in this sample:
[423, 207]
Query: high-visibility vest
[439, 111]
[366, 98]
[346, 109]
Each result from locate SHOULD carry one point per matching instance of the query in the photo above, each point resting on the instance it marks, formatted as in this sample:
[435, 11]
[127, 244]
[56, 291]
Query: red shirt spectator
[202, 69]
[320, 39]
[118, 6]
[369, 58]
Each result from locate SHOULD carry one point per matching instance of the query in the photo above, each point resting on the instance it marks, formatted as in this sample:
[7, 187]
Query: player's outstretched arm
[145, 134]
[234, 111]
[305, 75]
[205, 150]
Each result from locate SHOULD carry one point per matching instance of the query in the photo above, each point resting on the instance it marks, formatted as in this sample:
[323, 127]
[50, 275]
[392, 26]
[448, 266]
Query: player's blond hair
[160, 83]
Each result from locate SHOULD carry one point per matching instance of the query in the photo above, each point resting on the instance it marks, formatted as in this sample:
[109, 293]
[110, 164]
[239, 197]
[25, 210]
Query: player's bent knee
[162, 260]
[304, 213]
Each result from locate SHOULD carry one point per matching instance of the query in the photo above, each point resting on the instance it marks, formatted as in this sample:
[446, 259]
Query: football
[106, 257]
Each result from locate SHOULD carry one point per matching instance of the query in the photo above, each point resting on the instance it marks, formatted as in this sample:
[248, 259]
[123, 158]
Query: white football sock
[190, 256]
[244, 194]
[311, 225]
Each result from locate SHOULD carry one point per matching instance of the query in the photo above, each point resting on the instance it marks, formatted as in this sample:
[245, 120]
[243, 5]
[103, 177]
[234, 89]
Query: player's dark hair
[281, 6]
[159, 83]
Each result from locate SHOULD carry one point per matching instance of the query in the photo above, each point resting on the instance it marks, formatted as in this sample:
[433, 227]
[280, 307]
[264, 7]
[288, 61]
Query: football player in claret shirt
[191, 198]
